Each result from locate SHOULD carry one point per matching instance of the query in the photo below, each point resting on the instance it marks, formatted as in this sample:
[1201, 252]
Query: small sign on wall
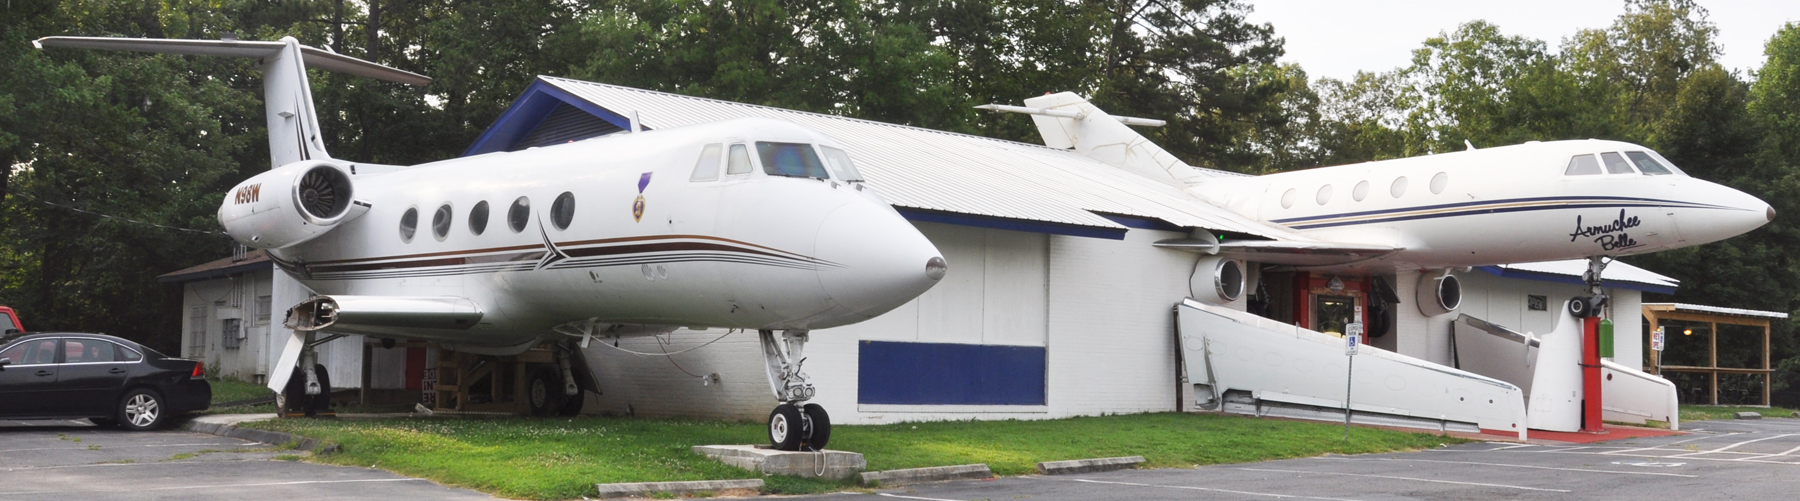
[1537, 303]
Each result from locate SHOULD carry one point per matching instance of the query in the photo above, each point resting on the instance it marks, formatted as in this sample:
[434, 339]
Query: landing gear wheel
[142, 410]
[787, 429]
[543, 392]
[821, 427]
[1579, 307]
[320, 405]
[572, 404]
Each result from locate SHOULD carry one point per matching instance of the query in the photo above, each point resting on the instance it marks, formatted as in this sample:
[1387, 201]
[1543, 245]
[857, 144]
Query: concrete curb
[714, 487]
[1749, 415]
[226, 426]
[827, 463]
[1088, 465]
[890, 478]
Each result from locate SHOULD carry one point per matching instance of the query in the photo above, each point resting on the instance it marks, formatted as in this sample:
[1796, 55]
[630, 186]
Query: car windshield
[791, 160]
[7, 323]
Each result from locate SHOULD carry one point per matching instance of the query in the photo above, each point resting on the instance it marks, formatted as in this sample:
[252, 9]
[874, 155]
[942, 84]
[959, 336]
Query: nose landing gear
[794, 425]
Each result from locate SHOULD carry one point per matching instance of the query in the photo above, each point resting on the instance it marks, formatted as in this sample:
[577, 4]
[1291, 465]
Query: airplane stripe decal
[585, 254]
[1444, 214]
[1489, 207]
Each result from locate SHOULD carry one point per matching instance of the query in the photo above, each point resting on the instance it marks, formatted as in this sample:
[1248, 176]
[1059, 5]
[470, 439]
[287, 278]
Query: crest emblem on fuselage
[637, 206]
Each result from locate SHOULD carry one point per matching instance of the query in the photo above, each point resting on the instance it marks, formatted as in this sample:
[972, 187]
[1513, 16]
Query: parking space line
[913, 497]
[1504, 486]
[1210, 489]
[219, 486]
[1523, 466]
[1685, 456]
[1782, 453]
[1733, 446]
[116, 447]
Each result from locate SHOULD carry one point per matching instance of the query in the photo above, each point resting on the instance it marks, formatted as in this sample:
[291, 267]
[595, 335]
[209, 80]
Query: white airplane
[742, 224]
[1538, 201]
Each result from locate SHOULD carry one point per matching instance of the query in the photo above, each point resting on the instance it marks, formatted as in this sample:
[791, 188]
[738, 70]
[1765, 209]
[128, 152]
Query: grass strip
[564, 458]
[1707, 412]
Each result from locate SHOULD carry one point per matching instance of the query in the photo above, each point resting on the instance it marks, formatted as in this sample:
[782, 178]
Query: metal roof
[934, 170]
[1714, 309]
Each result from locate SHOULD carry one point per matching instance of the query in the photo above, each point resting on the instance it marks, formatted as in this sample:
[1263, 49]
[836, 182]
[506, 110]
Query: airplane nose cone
[1771, 213]
[875, 260]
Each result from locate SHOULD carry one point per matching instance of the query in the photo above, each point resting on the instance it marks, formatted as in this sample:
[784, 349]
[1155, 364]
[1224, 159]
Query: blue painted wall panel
[949, 374]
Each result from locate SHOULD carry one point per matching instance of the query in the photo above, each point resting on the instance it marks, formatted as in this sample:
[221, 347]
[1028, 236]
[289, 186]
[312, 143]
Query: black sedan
[102, 378]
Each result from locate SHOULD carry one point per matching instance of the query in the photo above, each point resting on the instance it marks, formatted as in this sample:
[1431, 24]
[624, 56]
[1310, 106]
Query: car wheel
[142, 409]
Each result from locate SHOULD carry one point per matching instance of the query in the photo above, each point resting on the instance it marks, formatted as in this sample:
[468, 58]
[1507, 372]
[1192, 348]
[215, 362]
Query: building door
[1328, 303]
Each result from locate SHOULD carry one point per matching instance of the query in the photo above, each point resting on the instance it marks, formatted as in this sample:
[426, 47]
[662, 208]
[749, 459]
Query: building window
[197, 332]
[262, 310]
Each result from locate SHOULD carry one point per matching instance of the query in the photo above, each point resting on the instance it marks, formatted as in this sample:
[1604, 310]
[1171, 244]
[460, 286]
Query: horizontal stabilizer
[314, 58]
[1284, 252]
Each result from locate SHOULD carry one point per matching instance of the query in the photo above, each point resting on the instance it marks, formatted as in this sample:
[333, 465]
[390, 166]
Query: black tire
[293, 397]
[321, 403]
[544, 393]
[786, 428]
[104, 422]
[821, 427]
[1579, 307]
[142, 409]
[572, 404]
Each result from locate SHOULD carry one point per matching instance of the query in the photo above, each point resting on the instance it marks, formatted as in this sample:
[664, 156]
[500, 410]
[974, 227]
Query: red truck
[9, 322]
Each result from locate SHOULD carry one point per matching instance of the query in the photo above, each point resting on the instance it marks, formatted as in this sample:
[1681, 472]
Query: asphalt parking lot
[64, 460]
[1720, 460]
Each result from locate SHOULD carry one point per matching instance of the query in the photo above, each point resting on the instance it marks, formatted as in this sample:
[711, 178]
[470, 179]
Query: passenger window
[478, 217]
[1616, 164]
[791, 160]
[839, 160]
[126, 355]
[708, 168]
[739, 162]
[1582, 165]
[562, 211]
[80, 351]
[519, 214]
[1649, 165]
[409, 224]
[38, 351]
[440, 222]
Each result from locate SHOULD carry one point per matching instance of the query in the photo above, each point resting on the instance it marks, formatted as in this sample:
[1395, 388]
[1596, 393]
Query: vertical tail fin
[1068, 121]
[287, 96]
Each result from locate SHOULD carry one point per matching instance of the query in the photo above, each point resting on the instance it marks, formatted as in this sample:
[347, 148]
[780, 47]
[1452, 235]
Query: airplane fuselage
[1512, 204]
[619, 231]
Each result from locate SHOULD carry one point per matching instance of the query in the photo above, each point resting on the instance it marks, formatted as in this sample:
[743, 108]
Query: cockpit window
[708, 168]
[1616, 164]
[840, 164]
[1649, 165]
[1582, 165]
[739, 162]
[791, 160]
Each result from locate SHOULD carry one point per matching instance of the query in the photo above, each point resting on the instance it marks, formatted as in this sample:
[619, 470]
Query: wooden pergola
[1658, 313]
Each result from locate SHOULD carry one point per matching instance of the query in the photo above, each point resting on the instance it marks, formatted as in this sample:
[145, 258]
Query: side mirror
[10, 332]
[3, 362]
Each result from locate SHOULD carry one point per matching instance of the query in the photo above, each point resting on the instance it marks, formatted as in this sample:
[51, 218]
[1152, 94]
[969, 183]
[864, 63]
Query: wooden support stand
[486, 383]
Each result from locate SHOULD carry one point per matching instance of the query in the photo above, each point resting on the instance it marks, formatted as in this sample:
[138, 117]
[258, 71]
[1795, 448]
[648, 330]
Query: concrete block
[836, 464]
[1749, 415]
[1088, 465]
[890, 478]
[748, 487]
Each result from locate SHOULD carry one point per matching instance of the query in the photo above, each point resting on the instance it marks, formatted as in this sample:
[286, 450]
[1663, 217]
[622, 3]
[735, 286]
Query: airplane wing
[1283, 252]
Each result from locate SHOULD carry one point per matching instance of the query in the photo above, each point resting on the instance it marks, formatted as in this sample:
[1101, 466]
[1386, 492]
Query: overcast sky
[1336, 38]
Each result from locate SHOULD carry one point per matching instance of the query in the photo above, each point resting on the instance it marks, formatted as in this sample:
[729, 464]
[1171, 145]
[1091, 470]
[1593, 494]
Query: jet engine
[290, 204]
[1439, 293]
[1217, 280]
